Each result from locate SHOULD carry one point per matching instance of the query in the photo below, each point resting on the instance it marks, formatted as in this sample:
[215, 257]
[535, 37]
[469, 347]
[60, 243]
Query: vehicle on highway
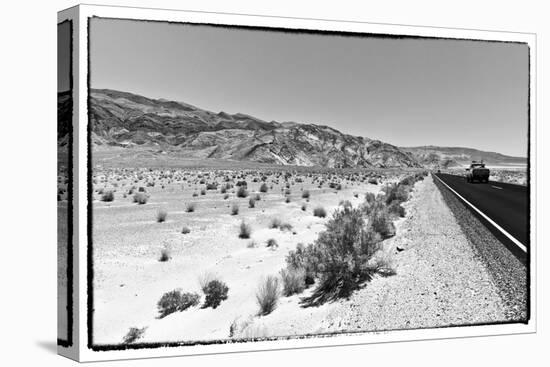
[477, 172]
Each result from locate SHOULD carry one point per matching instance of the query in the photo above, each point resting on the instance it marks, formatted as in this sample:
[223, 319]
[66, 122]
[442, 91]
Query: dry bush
[175, 301]
[242, 192]
[215, 292]
[164, 255]
[304, 207]
[320, 212]
[133, 335]
[251, 203]
[185, 230]
[268, 295]
[108, 196]
[140, 198]
[263, 187]
[305, 194]
[244, 230]
[161, 215]
[234, 209]
[271, 243]
[190, 207]
[293, 281]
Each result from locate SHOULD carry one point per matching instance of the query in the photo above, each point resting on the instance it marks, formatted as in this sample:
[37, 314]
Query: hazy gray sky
[63, 56]
[406, 92]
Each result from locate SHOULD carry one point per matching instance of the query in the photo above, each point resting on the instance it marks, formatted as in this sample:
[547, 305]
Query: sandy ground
[129, 280]
[439, 282]
[62, 270]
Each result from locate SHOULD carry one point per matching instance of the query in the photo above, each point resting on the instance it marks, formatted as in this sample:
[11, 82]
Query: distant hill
[124, 119]
[64, 111]
[447, 157]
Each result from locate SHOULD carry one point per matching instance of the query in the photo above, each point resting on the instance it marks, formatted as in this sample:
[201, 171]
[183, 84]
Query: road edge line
[512, 238]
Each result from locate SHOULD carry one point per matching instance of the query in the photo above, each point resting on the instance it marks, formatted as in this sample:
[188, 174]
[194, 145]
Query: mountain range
[125, 119]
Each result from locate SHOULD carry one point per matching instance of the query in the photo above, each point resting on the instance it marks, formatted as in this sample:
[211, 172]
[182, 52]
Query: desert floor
[129, 279]
[439, 280]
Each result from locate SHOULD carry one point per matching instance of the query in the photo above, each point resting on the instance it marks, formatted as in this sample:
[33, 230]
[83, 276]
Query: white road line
[512, 238]
[496, 187]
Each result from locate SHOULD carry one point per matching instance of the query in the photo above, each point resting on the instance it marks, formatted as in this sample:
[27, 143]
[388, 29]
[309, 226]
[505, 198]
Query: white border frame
[80, 183]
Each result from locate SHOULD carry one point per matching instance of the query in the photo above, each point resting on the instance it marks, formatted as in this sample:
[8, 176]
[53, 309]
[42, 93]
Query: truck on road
[477, 172]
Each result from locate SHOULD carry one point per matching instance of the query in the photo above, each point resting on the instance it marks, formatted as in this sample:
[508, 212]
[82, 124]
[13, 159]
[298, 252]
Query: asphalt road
[506, 204]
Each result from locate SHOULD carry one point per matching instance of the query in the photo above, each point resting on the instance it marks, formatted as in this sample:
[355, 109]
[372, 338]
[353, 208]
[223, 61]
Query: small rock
[399, 249]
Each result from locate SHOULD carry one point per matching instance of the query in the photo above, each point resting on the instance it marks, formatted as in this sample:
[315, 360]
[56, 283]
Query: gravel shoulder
[507, 272]
[440, 281]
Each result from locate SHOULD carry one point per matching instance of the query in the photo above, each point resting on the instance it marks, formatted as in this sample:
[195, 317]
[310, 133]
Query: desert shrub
[293, 281]
[185, 230]
[272, 243]
[396, 192]
[304, 207]
[263, 187]
[133, 334]
[287, 199]
[215, 292]
[190, 207]
[212, 186]
[203, 191]
[251, 203]
[373, 181]
[320, 212]
[108, 196]
[234, 209]
[223, 190]
[275, 223]
[285, 226]
[244, 230]
[380, 222]
[305, 194]
[242, 192]
[140, 198]
[164, 255]
[257, 197]
[195, 194]
[340, 254]
[268, 294]
[305, 258]
[161, 215]
[241, 183]
[396, 209]
[175, 301]
[288, 192]
[141, 189]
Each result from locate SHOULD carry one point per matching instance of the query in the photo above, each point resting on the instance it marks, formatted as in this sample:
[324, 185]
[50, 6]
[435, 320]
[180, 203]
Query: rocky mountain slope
[447, 157]
[125, 120]
[64, 111]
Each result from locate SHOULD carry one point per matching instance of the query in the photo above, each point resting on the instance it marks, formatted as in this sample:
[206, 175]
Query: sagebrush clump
[244, 230]
[140, 198]
[161, 215]
[320, 212]
[133, 334]
[108, 196]
[294, 281]
[175, 301]
[215, 292]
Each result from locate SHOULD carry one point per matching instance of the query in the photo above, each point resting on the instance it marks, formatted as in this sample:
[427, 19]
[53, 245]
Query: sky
[63, 56]
[407, 92]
